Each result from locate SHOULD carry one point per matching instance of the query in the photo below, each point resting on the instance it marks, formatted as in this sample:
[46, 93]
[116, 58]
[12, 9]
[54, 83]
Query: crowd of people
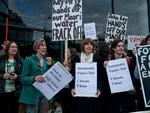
[17, 76]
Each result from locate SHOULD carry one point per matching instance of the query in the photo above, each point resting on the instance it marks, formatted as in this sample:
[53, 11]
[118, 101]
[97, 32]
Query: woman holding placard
[85, 104]
[122, 101]
[33, 69]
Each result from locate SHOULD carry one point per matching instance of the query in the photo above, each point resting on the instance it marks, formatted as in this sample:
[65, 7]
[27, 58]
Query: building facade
[27, 20]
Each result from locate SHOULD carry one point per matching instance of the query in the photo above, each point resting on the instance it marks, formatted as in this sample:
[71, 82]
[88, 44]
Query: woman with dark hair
[123, 101]
[64, 94]
[71, 53]
[104, 51]
[10, 86]
[87, 55]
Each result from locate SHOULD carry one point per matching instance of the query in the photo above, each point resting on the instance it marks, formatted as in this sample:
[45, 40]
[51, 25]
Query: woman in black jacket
[87, 104]
[122, 102]
[10, 86]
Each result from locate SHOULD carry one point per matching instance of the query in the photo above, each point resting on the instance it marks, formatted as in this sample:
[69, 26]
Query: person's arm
[25, 77]
[136, 72]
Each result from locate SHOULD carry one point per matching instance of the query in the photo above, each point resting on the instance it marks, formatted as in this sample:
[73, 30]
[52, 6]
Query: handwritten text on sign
[67, 20]
[116, 27]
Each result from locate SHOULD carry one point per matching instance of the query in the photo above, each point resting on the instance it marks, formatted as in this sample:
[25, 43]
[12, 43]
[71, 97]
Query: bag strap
[128, 60]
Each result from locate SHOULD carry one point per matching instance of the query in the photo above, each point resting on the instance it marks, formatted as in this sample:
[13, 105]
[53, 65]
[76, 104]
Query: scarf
[85, 58]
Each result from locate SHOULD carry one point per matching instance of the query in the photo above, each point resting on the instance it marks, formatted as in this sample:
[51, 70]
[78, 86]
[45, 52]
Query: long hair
[7, 50]
[73, 52]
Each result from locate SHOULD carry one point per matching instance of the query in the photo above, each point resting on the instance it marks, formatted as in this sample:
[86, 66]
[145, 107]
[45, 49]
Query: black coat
[100, 70]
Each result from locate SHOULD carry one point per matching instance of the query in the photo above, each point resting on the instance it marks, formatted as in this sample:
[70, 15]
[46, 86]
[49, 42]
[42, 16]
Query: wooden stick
[66, 47]
[6, 35]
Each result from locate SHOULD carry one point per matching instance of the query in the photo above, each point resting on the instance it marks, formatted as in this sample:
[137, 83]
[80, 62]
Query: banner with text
[86, 79]
[134, 41]
[115, 28]
[119, 76]
[143, 62]
[90, 30]
[56, 78]
[67, 20]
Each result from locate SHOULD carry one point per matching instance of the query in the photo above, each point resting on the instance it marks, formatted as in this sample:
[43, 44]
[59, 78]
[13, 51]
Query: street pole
[45, 26]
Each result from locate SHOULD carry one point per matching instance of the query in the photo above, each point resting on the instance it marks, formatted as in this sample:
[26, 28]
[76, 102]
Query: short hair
[37, 44]
[86, 41]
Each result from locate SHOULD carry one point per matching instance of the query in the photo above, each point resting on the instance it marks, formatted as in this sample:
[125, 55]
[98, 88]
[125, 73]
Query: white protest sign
[116, 27]
[119, 76]
[90, 30]
[86, 79]
[67, 20]
[134, 41]
[56, 78]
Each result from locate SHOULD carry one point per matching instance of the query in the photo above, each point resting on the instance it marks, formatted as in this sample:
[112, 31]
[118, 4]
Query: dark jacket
[17, 69]
[100, 70]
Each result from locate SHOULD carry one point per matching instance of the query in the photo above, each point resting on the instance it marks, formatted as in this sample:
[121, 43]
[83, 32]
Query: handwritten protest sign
[86, 79]
[67, 20]
[90, 30]
[134, 41]
[119, 76]
[116, 27]
[143, 62]
[56, 78]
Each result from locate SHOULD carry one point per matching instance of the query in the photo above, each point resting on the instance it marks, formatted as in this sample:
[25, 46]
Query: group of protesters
[17, 76]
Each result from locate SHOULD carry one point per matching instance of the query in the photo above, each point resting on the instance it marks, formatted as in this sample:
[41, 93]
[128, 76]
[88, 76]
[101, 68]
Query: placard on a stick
[116, 27]
[67, 20]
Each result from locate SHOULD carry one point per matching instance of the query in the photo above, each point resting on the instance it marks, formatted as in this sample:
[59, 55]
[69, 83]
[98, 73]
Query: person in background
[105, 52]
[10, 86]
[33, 69]
[64, 94]
[57, 105]
[87, 55]
[2, 51]
[122, 102]
[71, 53]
